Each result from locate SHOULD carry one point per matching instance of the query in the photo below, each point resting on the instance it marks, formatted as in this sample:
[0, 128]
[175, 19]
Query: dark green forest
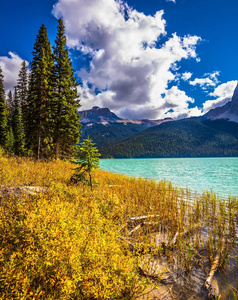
[40, 117]
[111, 133]
[183, 138]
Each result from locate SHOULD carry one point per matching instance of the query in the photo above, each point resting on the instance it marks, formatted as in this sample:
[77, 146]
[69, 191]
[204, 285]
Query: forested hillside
[183, 138]
[111, 133]
[105, 128]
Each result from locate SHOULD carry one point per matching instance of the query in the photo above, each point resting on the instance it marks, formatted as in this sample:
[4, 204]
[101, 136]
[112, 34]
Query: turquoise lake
[198, 174]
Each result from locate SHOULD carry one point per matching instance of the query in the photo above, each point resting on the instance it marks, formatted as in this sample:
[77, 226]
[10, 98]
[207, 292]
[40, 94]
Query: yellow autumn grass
[64, 243]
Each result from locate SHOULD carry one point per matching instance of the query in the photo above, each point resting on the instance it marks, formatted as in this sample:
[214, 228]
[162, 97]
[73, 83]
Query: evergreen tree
[10, 102]
[9, 141]
[22, 91]
[3, 113]
[87, 160]
[10, 111]
[66, 104]
[19, 133]
[41, 93]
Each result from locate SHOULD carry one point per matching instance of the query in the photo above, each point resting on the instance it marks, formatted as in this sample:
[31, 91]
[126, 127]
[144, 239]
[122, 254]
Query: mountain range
[105, 128]
[213, 134]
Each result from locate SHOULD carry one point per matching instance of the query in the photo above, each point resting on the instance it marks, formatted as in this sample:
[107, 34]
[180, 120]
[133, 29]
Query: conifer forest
[40, 117]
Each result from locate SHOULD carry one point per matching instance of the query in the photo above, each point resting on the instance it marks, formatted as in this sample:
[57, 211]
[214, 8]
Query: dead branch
[143, 217]
[175, 238]
[214, 267]
[150, 223]
[135, 229]
[120, 230]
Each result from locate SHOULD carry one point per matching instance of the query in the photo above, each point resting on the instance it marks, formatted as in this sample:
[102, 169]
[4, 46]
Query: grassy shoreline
[68, 242]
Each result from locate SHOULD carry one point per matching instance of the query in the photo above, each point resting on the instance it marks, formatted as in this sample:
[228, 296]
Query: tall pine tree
[10, 102]
[3, 113]
[66, 104]
[19, 133]
[41, 93]
[22, 91]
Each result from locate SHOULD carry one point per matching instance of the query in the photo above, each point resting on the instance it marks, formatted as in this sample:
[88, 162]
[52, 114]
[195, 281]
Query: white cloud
[177, 98]
[178, 102]
[10, 68]
[185, 113]
[186, 76]
[223, 92]
[174, 104]
[209, 80]
[174, 1]
[126, 66]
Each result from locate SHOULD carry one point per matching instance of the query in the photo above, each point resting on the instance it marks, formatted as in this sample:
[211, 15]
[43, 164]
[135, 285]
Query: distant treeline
[40, 117]
[111, 133]
[184, 138]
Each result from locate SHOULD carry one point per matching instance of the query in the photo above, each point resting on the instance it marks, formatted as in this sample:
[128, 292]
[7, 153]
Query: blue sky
[141, 58]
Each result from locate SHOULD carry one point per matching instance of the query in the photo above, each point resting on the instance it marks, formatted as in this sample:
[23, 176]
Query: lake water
[198, 174]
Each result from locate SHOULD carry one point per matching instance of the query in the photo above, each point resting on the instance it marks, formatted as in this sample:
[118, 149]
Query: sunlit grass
[69, 242]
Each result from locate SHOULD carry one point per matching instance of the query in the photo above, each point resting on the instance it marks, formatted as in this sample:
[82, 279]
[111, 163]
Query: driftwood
[143, 217]
[175, 238]
[136, 223]
[132, 223]
[151, 223]
[214, 267]
[135, 229]
[177, 234]
[135, 243]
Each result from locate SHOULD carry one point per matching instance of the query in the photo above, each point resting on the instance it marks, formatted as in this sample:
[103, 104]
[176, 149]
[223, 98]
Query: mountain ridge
[105, 128]
[182, 138]
[213, 134]
[228, 112]
[105, 115]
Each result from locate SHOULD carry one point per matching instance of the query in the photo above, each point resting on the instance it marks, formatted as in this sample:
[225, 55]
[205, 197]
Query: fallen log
[143, 217]
[214, 267]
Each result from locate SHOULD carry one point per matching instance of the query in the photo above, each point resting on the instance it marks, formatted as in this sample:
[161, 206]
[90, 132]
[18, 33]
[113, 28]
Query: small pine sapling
[87, 160]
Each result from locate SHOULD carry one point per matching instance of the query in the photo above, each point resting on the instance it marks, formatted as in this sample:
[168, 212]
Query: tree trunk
[91, 184]
[38, 147]
[57, 130]
[57, 149]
